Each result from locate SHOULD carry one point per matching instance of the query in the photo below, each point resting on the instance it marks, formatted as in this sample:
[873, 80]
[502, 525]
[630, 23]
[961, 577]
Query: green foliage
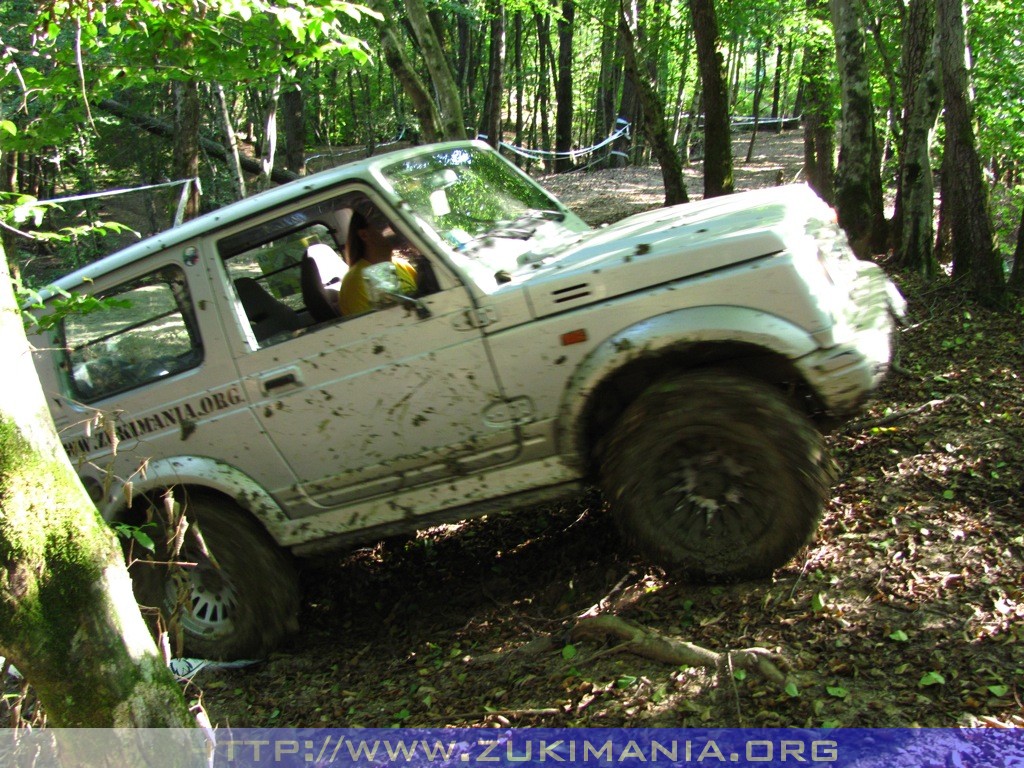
[137, 534]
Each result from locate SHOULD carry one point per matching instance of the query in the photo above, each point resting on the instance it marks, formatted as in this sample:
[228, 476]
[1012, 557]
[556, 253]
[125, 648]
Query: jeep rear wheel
[715, 477]
[241, 597]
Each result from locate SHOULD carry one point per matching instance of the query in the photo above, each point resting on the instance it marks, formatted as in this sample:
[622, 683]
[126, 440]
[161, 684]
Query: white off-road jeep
[683, 359]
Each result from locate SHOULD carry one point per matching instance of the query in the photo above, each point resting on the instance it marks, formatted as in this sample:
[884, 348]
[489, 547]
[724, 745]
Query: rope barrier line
[113, 192]
[537, 154]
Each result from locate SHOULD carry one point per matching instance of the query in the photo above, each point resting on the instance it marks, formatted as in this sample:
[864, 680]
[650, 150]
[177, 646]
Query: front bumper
[844, 375]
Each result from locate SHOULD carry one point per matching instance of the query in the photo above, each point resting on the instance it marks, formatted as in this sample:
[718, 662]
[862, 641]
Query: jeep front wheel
[241, 596]
[715, 477]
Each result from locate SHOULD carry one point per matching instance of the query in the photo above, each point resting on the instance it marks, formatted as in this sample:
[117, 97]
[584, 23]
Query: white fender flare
[201, 472]
[663, 333]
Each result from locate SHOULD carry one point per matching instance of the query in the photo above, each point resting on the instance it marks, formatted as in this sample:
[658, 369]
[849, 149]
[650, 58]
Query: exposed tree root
[651, 645]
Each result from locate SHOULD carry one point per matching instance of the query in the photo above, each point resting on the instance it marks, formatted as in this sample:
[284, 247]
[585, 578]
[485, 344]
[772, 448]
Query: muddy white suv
[682, 359]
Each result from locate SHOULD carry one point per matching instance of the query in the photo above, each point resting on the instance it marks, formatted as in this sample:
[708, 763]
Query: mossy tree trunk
[68, 618]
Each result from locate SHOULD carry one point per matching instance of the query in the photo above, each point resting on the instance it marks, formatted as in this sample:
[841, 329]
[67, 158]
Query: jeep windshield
[494, 218]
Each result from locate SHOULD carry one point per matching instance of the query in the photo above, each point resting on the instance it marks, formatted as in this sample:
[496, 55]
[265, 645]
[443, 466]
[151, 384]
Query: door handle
[281, 380]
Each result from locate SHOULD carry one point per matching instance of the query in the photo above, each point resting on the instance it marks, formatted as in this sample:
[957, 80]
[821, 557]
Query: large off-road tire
[715, 477]
[239, 601]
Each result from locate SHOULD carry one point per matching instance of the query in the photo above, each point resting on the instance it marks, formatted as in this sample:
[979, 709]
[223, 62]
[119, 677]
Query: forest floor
[907, 610]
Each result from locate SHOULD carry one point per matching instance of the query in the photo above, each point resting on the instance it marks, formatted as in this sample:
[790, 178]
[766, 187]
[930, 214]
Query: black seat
[267, 315]
[321, 273]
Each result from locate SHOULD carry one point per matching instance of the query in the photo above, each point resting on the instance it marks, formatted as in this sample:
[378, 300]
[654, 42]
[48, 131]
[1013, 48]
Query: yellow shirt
[354, 296]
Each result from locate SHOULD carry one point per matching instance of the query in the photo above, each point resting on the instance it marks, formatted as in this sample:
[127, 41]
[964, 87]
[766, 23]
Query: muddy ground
[906, 610]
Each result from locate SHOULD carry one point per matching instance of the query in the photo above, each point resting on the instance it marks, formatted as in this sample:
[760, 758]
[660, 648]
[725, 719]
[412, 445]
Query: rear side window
[149, 332]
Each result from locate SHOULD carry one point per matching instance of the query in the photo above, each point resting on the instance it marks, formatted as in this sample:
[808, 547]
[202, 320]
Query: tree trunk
[186, 140]
[230, 141]
[965, 197]
[777, 83]
[760, 72]
[654, 125]
[543, 24]
[453, 125]
[68, 618]
[491, 123]
[294, 130]
[610, 73]
[563, 89]
[269, 153]
[913, 222]
[423, 105]
[517, 26]
[859, 177]
[817, 99]
[717, 132]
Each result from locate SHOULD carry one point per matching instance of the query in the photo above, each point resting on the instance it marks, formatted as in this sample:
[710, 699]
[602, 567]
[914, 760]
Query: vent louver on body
[571, 293]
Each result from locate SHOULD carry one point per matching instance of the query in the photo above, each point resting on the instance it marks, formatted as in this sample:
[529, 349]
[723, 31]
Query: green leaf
[144, 539]
[8, 127]
[818, 602]
[947, 494]
[999, 690]
[740, 674]
[792, 690]
[626, 681]
[899, 636]
[569, 652]
[837, 690]
[931, 678]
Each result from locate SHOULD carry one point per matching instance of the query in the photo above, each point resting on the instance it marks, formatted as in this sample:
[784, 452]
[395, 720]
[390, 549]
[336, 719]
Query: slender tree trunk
[269, 154]
[491, 123]
[913, 221]
[760, 73]
[542, 22]
[294, 130]
[677, 118]
[894, 134]
[655, 127]
[777, 83]
[691, 120]
[517, 58]
[859, 178]
[965, 196]
[817, 100]
[186, 140]
[453, 124]
[230, 141]
[610, 77]
[563, 88]
[68, 617]
[717, 132]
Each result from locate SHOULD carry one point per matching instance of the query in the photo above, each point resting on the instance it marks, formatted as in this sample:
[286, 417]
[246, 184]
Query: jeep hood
[671, 244]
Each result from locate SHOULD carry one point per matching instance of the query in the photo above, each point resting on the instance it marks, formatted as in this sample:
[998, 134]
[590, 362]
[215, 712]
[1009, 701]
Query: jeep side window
[288, 272]
[269, 281]
[147, 333]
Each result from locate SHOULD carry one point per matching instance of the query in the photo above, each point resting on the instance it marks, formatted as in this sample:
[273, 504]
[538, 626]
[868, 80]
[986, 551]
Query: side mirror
[387, 285]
